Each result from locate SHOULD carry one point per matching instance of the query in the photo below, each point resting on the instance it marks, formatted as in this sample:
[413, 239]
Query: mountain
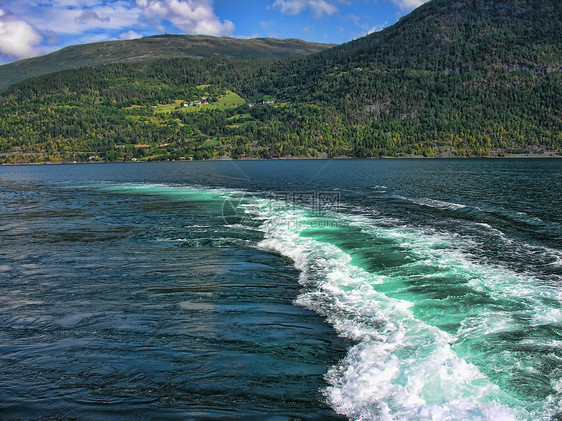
[152, 48]
[451, 34]
[469, 76]
[453, 78]
[446, 36]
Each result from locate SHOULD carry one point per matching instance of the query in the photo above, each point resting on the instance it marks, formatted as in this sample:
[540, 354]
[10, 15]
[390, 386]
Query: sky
[34, 27]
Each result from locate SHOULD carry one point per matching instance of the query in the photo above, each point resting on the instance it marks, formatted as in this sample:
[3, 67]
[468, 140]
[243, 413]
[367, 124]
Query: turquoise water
[298, 289]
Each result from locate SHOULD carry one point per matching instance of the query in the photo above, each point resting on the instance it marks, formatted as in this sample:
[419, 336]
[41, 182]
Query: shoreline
[553, 155]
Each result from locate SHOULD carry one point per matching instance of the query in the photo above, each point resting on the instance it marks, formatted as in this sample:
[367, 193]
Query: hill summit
[153, 48]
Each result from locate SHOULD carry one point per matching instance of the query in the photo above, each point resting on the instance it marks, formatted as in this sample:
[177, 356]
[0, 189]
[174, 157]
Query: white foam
[449, 253]
[556, 399]
[551, 316]
[196, 306]
[401, 368]
[486, 323]
[179, 240]
[433, 203]
[171, 190]
[555, 255]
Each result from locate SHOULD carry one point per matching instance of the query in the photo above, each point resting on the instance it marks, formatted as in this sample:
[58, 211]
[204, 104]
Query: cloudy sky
[34, 27]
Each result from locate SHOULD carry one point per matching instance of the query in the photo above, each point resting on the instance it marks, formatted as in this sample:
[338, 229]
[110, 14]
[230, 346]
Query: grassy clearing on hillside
[238, 117]
[230, 100]
[167, 108]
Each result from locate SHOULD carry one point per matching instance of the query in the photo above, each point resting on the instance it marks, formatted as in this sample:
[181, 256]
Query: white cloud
[129, 35]
[190, 16]
[378, 27]
[115, 16]
[52, 37]
[267, 24]
[75, 3]
[17, 38]
[33, 26]
[88, 15]
[365, 28]
[409, 4]
[294, 7]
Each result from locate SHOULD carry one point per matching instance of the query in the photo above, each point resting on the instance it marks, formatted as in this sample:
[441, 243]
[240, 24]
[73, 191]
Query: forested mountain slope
[152, 48]
[453, 78]
[480, 73]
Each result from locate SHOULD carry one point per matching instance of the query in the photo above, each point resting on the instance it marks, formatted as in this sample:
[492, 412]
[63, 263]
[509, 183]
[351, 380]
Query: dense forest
[453, 78]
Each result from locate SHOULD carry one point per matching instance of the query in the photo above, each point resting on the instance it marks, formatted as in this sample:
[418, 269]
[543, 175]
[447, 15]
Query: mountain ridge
[458, 35]
[153, 48]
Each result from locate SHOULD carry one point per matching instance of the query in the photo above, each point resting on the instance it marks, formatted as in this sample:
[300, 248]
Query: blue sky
[34, 27]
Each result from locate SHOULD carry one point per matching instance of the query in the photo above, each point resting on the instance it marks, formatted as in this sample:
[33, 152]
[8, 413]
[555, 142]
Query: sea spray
[401, 367]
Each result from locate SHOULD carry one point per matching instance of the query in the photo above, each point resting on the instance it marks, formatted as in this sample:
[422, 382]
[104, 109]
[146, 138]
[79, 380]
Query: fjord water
[372, 289]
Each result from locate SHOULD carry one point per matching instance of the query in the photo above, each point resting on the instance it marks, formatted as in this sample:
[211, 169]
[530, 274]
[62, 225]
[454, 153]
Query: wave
[433, 203]
[405, 363]
[489, 213]
[437, 333]
[168, 190]
[218, 242]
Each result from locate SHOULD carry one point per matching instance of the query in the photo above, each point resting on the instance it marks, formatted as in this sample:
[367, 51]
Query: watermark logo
[319, 202]
[234, 211]
[321, 208]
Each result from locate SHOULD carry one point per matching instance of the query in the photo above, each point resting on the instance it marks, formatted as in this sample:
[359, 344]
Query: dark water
[377, 289]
